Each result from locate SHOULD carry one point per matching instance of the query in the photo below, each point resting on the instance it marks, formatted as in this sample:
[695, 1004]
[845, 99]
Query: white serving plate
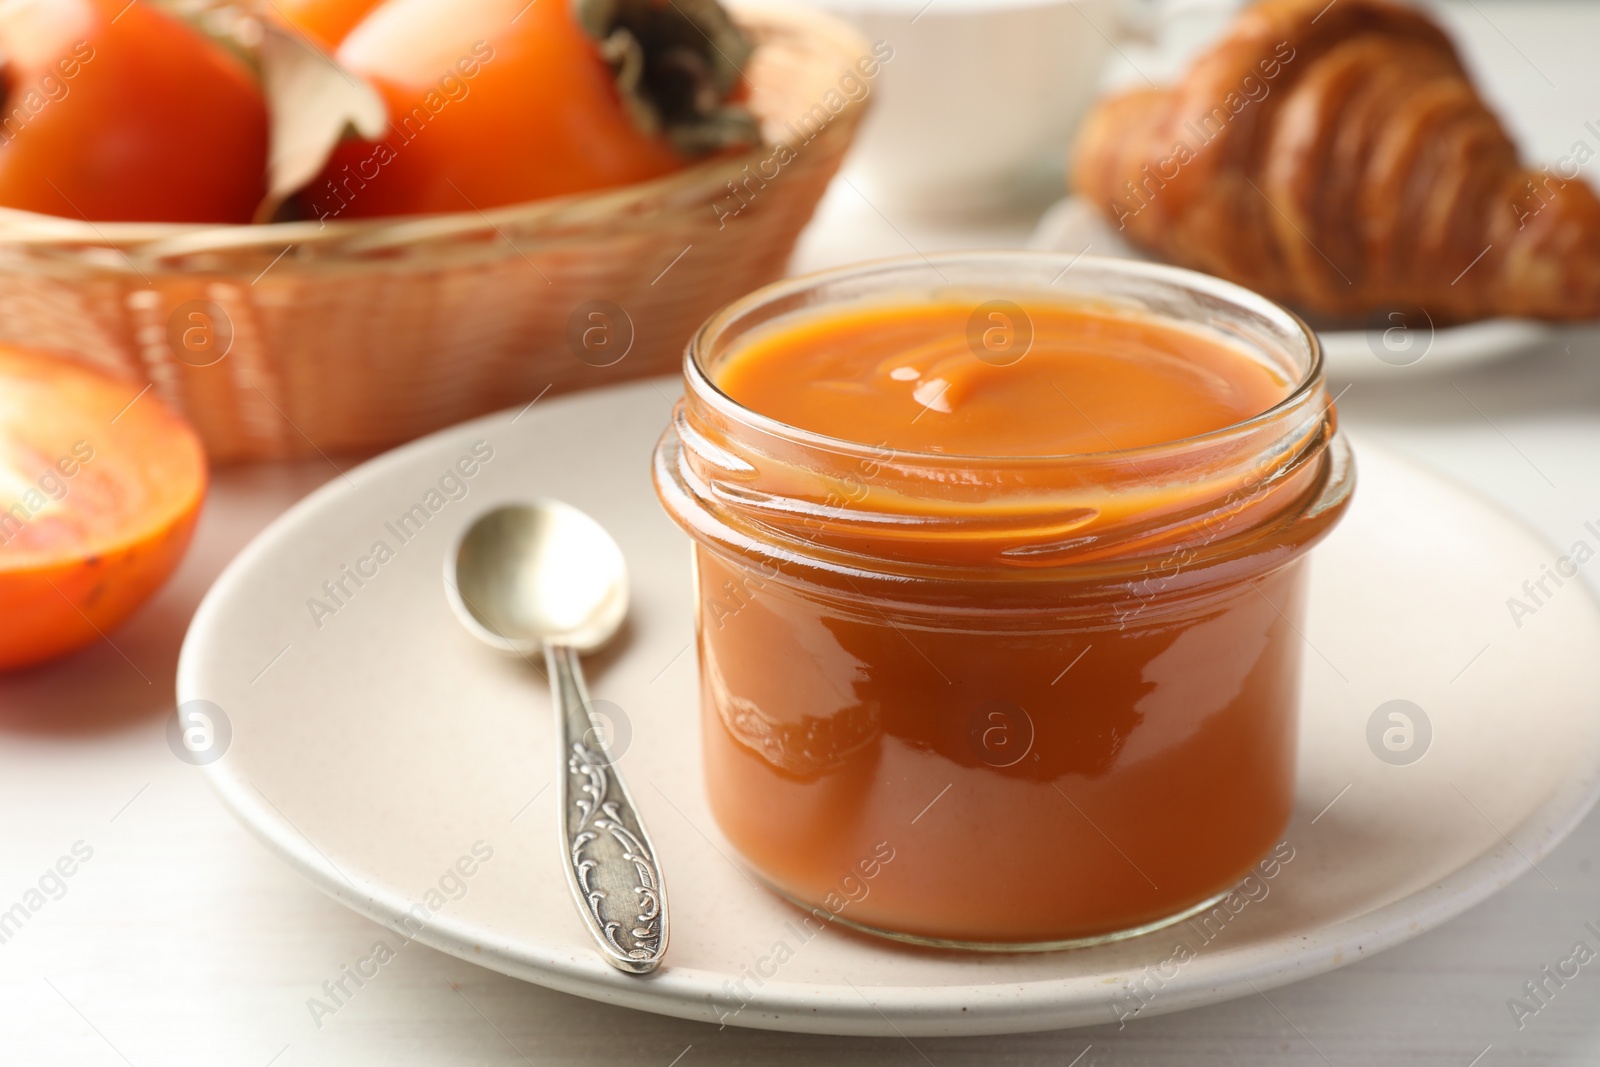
[1411, 346]
[373, 753]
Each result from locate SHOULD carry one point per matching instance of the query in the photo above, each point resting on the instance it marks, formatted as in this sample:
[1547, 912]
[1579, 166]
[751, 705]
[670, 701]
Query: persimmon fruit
[495, 102]
[100, 489]
[326, 22]
[119, 112]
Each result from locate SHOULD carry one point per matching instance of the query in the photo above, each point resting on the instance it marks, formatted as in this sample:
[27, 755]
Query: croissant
[1336, 157]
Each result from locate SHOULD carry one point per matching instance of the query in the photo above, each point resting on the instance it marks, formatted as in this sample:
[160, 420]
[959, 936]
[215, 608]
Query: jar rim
[696, 375]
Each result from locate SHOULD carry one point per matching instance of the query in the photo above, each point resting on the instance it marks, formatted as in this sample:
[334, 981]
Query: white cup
[976, 108]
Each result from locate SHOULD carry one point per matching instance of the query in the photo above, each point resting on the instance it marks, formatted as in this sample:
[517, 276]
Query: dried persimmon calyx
[678, 68]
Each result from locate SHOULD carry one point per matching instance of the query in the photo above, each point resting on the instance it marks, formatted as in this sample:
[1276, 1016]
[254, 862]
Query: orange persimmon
[495, 102]
[118, 112]
[100, 488]
[327, 22]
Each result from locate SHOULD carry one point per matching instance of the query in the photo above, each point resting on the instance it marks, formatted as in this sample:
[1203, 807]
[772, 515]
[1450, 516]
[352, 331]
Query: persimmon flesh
[100, 488]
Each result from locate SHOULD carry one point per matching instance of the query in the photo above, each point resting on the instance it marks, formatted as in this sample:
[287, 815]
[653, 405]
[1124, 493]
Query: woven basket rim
[156, 240]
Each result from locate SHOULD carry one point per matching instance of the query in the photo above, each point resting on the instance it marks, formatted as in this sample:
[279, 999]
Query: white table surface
[183, 941]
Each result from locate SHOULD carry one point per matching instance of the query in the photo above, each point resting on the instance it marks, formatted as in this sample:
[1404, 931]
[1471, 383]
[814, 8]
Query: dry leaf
[314, 102]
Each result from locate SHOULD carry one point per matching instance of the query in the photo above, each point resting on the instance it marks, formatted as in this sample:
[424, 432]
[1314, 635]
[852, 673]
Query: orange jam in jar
[1000, 567]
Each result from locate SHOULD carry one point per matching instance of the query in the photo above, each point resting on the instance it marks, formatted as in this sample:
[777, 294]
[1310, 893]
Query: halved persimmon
[100, 488]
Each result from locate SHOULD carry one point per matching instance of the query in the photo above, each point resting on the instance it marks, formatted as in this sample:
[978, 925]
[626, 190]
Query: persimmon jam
[999, 589]
[907, 376]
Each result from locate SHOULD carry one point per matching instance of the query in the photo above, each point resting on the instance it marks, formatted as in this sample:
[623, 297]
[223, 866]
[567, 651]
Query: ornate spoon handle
[611, 864]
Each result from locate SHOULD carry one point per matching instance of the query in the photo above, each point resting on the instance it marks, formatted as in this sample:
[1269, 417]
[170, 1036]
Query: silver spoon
[545, 575]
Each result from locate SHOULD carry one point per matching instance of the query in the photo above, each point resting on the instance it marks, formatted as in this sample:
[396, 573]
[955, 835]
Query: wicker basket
[296, 338]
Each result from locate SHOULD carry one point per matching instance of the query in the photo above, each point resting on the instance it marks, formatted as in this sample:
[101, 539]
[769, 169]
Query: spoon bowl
[526, 574]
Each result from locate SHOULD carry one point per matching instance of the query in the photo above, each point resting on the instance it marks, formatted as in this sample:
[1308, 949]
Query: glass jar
[1007, 703]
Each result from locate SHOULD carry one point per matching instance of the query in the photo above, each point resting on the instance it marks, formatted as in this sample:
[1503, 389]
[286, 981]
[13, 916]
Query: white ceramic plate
[1411, 346]
[376, 744]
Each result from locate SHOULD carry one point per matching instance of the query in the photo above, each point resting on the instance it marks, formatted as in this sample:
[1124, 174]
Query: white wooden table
[180, 940]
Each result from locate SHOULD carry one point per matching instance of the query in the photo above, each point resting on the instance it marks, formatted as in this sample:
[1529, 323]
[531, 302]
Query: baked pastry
[1335, 156]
